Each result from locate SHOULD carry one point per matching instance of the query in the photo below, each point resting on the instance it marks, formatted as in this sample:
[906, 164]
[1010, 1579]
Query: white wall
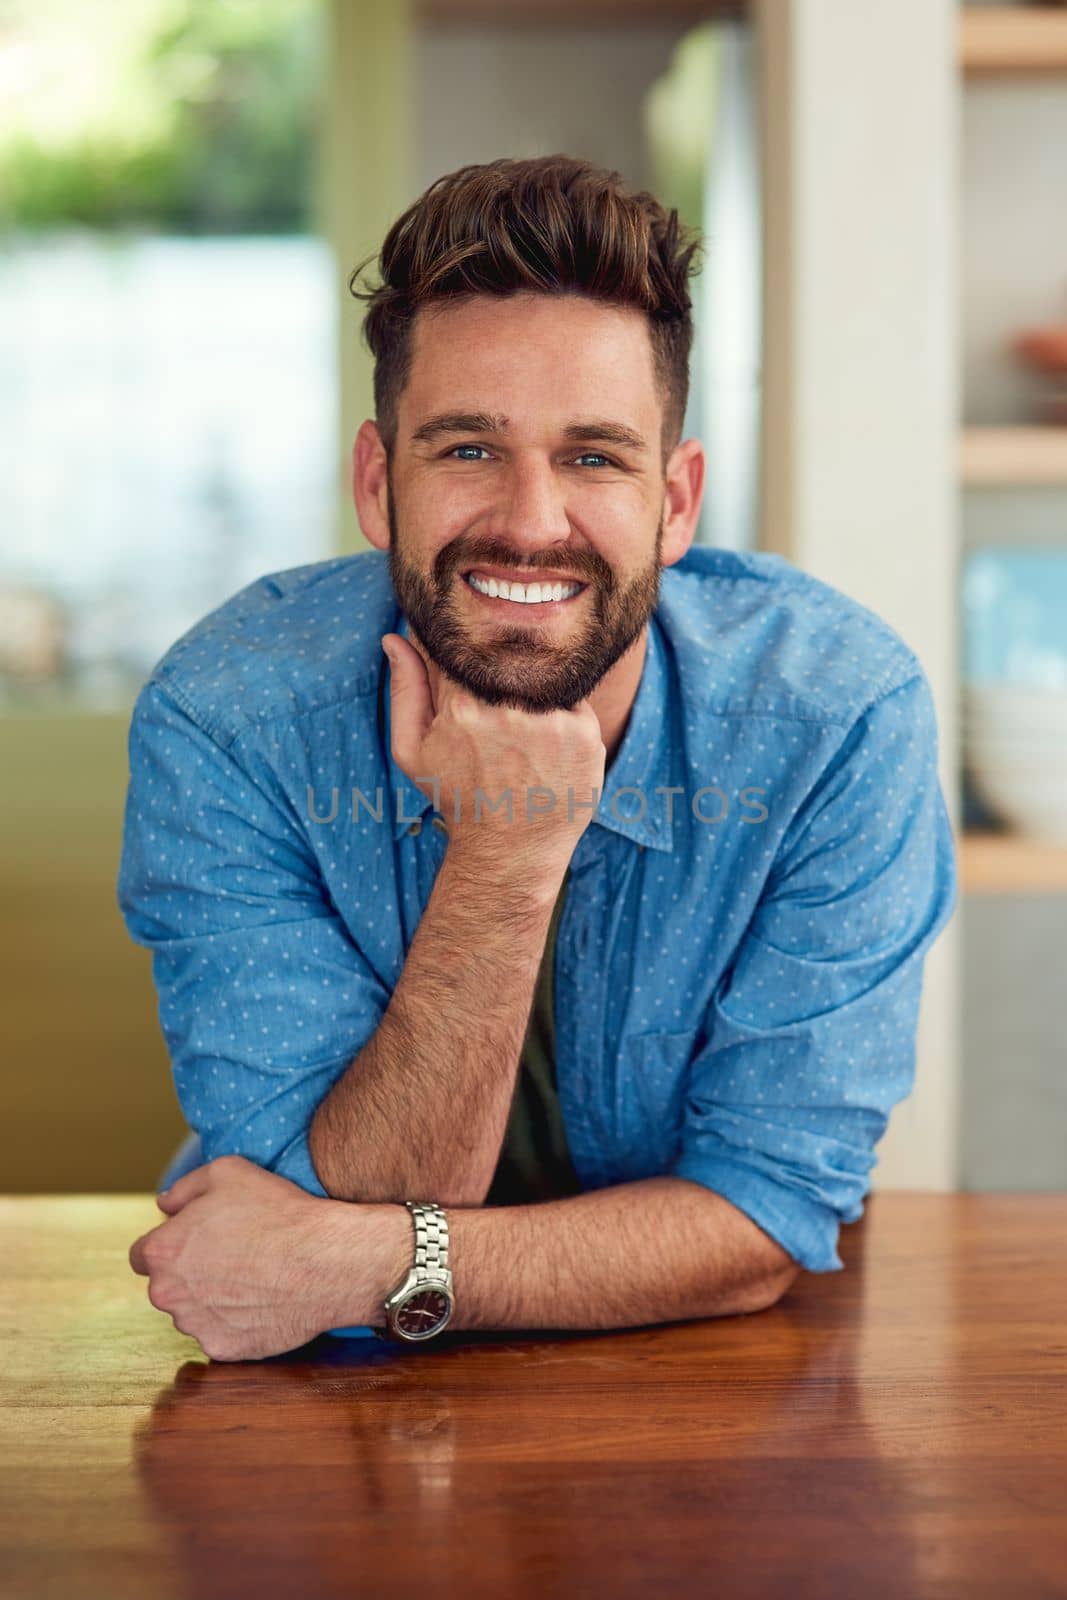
[859, 121]
[523, 90]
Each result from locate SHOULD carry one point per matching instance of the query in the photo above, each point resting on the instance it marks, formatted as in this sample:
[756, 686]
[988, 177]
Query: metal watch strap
[431, 1236]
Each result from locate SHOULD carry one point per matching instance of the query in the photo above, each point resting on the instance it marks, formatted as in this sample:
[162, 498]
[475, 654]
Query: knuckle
[217, 1349]
[158, 1296]
[150, 1253]
[463, 710]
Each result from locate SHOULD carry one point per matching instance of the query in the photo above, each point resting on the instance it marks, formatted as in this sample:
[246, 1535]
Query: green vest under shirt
[535, 1162]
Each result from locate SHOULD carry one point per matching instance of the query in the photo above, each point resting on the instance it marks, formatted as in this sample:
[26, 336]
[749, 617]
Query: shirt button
[440, 824]
[416, 827]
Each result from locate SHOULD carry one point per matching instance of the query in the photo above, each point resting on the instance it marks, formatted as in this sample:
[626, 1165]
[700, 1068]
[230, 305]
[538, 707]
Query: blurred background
[879, 381]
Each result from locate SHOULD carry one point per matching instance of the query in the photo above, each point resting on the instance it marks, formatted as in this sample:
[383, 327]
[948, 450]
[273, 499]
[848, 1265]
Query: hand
[441, 731]
[249, 1264]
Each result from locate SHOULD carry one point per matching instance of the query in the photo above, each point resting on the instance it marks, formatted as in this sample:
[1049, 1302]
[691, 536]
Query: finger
[185, 1189]
[136, 1255]
[411, 704]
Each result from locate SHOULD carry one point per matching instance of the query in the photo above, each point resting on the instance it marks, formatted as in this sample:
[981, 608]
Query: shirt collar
[642, 761]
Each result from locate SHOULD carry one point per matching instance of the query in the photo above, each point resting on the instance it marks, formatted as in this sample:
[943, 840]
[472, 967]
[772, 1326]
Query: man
[460, 1050]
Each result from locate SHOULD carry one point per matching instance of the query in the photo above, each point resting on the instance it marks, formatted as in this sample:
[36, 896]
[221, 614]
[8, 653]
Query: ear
[370, 484]
[684, 490]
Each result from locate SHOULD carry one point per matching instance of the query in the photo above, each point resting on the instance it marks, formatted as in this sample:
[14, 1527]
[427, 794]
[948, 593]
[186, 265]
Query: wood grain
[899, 1429]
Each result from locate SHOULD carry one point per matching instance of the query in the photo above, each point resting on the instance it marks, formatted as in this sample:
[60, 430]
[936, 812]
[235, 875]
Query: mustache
[586, 569]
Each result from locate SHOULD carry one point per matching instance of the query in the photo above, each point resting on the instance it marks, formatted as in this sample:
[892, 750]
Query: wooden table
[896, 1429]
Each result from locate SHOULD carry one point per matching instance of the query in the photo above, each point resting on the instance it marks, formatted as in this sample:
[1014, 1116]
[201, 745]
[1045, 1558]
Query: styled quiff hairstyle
[553, 225]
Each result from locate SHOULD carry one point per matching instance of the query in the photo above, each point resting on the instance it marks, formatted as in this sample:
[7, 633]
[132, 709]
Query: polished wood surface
[896, 1429]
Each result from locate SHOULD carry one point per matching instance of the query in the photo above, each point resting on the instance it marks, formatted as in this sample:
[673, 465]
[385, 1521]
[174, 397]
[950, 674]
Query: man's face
[510, 491]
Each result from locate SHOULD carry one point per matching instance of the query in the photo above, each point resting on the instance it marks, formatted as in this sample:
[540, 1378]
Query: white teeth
[522, 594]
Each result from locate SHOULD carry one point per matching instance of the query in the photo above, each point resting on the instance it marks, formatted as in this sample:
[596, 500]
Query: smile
[528, 594]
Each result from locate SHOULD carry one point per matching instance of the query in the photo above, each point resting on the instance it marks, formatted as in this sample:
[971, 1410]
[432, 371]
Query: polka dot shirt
[739, 961]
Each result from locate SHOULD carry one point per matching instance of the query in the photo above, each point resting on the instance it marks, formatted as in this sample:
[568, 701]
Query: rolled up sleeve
[810, 1037]
[264, 997]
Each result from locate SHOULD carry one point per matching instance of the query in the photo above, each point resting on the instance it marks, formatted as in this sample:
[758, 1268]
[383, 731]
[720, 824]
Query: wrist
[372, 1249]
[513, 882]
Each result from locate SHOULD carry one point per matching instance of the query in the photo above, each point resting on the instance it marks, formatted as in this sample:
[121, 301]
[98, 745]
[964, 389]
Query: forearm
[421, 1110]
[660, 1250]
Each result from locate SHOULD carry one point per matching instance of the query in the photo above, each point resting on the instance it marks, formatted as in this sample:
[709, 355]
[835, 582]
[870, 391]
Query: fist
[516, 788]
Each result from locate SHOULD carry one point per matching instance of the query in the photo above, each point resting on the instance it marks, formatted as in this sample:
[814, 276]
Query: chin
[525, 688]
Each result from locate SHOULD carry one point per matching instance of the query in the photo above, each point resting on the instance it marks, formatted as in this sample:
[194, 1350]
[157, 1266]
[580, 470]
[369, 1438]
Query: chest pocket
[650, 1099]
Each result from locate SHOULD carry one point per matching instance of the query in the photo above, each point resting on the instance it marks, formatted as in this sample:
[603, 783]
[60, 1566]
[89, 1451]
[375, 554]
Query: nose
[532, 511]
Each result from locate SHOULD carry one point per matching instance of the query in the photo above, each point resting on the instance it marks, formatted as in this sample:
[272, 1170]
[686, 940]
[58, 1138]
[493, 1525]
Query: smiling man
[612, 1040]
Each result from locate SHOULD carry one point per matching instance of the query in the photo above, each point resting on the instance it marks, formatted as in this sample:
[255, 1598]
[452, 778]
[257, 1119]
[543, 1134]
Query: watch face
[424, 1313]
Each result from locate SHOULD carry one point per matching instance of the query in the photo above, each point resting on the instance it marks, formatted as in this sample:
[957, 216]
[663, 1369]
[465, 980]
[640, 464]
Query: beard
[520, 666]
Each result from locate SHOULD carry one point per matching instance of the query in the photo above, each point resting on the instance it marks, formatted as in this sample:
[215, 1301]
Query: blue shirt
[739, 963]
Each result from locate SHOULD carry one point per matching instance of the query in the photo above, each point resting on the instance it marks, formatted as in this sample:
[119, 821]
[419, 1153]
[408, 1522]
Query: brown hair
[554, 225]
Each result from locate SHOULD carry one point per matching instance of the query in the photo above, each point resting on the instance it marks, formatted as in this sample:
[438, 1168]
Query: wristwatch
[423, 1303]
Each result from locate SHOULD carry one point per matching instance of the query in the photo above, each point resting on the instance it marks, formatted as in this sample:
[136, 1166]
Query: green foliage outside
[190, 116]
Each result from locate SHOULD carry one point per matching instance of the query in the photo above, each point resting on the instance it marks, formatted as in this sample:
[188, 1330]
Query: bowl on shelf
[1014, 695]
[1032, 804]
[1044, 350]
[1015, 712]
[1015, 617]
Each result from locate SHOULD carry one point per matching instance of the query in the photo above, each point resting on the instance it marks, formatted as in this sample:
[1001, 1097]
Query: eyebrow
[588, 428]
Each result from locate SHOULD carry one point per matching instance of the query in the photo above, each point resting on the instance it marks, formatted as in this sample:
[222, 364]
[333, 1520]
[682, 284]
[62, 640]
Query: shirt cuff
[295, 1163]
[803, 1227]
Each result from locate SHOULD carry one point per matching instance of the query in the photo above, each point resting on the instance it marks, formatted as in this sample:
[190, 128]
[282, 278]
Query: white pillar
[858, 120]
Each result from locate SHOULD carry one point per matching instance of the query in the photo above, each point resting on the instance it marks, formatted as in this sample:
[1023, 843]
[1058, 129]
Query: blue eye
[585, 456]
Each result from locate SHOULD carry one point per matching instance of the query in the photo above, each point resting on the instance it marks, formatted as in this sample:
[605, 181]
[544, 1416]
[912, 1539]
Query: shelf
[1012, 39]
[1011, 863]
[1020, 456]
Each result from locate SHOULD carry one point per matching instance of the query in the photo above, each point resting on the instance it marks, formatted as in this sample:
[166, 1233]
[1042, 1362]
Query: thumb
[185, 1189]
[411, 703]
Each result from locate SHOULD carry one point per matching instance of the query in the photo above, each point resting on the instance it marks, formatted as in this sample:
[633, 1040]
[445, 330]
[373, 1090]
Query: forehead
[491, 350]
